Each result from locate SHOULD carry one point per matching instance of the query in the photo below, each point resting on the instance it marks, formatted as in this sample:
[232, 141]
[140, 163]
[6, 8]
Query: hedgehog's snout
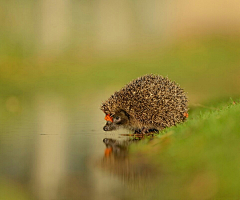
[105, 128]
[109, 126]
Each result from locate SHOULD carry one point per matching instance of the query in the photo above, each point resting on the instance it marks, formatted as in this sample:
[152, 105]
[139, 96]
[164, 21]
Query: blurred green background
[59, 59]
[69, 45]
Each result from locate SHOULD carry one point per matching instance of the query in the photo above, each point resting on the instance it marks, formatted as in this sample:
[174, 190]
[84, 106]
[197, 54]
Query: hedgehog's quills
[150, 102]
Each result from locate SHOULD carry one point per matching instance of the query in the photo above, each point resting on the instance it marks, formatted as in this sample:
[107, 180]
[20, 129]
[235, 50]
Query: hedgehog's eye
[117, 119]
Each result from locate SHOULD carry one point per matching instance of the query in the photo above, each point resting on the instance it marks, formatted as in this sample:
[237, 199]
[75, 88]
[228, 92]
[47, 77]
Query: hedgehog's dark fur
[148, 102]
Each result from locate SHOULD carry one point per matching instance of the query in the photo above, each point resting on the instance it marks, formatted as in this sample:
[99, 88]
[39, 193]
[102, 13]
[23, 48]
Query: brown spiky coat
[151, 101]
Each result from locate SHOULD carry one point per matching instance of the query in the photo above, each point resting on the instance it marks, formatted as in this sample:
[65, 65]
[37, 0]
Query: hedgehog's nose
[105, 128]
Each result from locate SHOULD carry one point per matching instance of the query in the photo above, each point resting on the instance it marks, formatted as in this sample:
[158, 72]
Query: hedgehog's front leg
[137, 131]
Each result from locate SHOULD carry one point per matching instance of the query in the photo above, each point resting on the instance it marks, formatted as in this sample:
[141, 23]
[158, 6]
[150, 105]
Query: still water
[53, 147]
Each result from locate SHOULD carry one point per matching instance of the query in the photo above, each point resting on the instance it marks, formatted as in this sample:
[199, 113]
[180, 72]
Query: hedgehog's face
[120, 119]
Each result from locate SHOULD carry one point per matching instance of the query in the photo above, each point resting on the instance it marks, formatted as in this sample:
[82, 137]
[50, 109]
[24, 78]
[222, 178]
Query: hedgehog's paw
[137, 131]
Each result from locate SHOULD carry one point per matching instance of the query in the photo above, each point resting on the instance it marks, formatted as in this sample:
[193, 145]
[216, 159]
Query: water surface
[51, 147]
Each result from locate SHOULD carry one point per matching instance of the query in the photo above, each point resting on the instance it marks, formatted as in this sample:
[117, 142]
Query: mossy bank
[200, 158]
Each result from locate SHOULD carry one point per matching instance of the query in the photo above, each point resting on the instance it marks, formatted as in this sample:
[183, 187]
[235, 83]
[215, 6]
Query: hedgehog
[147, 104]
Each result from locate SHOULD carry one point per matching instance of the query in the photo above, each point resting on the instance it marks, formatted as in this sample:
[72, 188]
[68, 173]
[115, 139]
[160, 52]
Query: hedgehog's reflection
[118, 161]
[119, 149]
[116, 148]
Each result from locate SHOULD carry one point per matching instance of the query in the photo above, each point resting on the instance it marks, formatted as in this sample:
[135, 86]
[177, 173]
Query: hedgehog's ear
[124, 113]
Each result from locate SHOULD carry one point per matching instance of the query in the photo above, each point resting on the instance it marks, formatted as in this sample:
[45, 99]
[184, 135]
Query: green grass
[198, 159]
